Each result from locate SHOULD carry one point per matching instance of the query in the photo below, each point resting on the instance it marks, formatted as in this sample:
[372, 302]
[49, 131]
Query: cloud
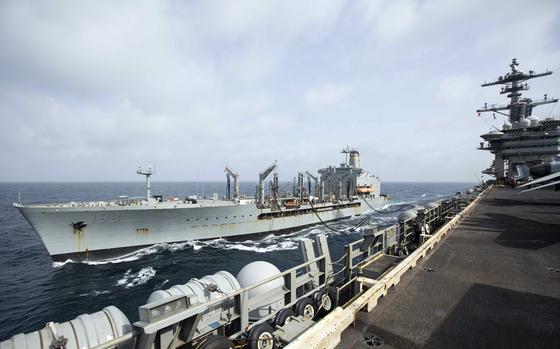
[456, 87]
[326, 95]
[196, 85]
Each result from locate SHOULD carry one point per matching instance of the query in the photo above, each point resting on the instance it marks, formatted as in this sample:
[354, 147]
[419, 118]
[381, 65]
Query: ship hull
[112, 231]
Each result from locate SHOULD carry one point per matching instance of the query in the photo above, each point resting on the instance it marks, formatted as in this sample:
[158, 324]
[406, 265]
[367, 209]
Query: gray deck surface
[491, 287]
[380, 266]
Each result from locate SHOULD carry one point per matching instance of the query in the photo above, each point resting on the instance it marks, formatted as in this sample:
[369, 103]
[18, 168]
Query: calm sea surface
[34, 291]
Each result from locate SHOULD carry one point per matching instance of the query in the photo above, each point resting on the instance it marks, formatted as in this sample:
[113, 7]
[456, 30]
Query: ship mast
[519, 108]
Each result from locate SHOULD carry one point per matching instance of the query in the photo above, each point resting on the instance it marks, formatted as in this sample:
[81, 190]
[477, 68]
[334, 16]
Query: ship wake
[270, 243]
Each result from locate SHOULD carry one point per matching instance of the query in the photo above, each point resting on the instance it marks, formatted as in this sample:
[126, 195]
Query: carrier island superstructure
[100, 229]
[526, 146]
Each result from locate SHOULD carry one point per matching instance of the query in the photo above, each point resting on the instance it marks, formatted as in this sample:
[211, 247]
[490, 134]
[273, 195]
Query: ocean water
[34, 290]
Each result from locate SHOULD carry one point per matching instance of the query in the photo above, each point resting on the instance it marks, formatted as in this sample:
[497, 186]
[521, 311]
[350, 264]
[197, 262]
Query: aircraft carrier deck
[494, 281]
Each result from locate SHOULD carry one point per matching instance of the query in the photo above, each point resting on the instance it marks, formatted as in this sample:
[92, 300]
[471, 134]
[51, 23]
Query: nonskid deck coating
[493, 282]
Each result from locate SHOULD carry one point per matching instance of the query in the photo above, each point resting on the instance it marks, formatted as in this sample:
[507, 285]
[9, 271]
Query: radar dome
[524, 123]
[257, 271]
[507, 125]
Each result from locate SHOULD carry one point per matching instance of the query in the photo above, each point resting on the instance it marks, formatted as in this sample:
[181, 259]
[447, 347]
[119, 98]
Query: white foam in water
[133, 256]
[61, 264]
[284, 245]
[270, 243]
[93, 293]
[131, 279]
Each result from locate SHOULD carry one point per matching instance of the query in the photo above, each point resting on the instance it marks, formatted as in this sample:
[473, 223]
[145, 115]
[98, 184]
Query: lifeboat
[365, 190]
[291, 204]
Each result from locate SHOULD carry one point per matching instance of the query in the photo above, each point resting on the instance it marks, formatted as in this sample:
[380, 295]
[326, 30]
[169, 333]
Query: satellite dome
[507, 125]
[257, 271]
[534, 120]
[524, 123]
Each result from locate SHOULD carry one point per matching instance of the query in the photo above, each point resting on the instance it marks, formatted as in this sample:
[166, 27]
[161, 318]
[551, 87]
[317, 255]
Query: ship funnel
[354, 159]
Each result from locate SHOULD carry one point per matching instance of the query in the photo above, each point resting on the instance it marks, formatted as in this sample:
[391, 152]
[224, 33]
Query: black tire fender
[305, 308]
[324, 301]
[260, 337]
[282, 316]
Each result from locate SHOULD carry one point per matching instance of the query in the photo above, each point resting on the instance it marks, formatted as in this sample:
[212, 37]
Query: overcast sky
[90, 90]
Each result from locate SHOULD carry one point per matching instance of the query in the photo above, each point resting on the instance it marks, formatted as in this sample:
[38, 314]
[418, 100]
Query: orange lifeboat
[290, 204]
[365, 190]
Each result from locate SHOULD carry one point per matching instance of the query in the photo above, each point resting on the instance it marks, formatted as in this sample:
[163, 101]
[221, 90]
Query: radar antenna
[519, 108]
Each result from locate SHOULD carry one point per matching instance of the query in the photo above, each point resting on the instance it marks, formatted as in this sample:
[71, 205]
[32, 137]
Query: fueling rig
[263, 307]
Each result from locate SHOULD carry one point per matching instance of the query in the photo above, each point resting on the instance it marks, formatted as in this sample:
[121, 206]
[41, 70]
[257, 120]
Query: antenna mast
[148, 172]
[519, 108]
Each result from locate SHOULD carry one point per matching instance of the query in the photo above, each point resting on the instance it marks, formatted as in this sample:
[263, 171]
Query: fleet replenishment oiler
[94, 230]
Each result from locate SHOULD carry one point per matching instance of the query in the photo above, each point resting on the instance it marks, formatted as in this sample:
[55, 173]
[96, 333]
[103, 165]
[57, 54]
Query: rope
[364, 220]
[339, 260]
[335, 274]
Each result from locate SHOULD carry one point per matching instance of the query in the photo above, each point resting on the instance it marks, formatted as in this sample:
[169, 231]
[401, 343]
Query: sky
[89, 90]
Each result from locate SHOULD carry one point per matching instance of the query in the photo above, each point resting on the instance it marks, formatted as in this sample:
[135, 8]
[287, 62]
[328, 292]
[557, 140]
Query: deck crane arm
[315, 179]
[229, 172]
[262, 177]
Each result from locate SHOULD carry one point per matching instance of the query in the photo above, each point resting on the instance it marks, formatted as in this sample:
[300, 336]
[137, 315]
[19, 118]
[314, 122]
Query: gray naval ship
[101, 229]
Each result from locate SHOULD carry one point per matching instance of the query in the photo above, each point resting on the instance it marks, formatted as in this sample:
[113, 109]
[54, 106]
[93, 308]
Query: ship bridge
[348, 179]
